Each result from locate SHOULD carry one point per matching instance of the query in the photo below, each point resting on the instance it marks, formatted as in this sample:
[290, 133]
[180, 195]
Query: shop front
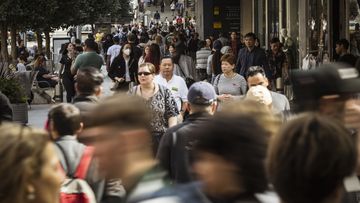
[308, 29]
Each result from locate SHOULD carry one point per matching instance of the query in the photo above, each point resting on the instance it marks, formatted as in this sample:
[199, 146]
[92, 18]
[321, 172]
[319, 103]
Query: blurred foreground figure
[332, 90]
[29, 166]
[229, 159]
[175, 146]
[309, 159]
[123, 144]
[65, 124]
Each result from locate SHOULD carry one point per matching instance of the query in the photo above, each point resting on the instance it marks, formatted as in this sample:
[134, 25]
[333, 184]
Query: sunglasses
[144, 73]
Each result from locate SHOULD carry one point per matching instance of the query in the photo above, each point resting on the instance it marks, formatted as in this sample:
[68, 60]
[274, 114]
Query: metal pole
[78, 32]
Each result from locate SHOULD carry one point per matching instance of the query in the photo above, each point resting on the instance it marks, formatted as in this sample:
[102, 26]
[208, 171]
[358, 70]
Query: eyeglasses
[144, 73]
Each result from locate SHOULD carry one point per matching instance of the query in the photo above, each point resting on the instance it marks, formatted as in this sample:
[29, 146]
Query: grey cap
[201, 93]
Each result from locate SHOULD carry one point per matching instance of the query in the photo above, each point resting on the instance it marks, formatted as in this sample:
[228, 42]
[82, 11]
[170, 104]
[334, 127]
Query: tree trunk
[4, 49]
[92, 29]
[47, 44]
[39, 41]
[13, 43]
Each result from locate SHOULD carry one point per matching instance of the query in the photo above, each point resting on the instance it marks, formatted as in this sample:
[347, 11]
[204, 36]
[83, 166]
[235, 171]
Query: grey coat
[187, 66]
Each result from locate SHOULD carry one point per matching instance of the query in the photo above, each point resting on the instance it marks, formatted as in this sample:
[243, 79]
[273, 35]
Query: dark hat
[328, 79]
[201, 93]
[217, 45]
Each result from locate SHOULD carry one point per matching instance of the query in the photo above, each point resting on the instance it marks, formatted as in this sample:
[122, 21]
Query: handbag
[189, 81]
[120, 85]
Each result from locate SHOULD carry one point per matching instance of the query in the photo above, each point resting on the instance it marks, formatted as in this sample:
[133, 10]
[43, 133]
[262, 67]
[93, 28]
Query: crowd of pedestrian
[190, 120]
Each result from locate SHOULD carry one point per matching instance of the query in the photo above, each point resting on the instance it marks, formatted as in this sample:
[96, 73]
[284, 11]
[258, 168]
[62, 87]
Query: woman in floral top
[159, 99]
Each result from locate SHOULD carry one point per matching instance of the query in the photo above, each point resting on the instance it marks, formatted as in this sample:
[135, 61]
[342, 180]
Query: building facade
[310, 27]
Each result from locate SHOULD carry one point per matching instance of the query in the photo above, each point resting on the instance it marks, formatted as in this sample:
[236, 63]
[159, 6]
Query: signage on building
[227, 16]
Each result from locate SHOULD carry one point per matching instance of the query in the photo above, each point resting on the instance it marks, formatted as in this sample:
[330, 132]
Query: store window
[260, 21]
[354, 28]
[273, 18]
[318, 28]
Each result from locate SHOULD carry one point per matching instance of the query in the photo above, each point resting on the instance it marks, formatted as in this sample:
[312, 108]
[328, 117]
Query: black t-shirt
[348, 58]
[66, 61]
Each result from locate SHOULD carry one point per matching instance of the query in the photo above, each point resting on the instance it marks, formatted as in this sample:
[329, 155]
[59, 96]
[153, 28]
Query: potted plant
[11, 87]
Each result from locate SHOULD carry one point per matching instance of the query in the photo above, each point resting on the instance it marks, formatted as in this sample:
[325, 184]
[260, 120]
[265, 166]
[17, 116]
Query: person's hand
[119, 79]
[225, 97]
[56, 78]
[229, 97]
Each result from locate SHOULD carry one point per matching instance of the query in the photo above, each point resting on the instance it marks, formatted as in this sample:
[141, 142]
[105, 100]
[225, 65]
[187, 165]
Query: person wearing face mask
[123, 70]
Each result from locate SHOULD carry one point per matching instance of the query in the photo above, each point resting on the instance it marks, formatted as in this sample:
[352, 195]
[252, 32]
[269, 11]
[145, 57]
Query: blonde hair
[259, 112]
[21, 158]
[150, 66]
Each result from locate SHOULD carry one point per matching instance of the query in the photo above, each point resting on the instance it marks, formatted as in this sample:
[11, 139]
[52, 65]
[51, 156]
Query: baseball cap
[328, 79]
[201, 93]
[259, 94]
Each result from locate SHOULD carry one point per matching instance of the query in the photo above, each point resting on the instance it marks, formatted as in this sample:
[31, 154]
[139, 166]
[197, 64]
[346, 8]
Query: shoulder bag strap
[66, 168]
[182, 72]
[84, 163]
[218, 79]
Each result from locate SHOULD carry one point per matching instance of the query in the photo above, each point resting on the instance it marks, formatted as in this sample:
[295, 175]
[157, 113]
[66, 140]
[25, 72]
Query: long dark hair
[216, 62]
[65, 51]
[121, 57]
[180, 50]
[154, 56]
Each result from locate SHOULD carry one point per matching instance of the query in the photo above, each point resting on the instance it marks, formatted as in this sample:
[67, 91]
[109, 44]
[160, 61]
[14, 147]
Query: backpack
[75, 189]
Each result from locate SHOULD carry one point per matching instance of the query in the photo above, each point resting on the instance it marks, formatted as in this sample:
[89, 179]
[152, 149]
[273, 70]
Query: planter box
[20, 113]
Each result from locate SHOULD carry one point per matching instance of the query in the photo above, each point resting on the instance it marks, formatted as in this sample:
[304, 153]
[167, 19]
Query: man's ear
[76, 87]
[214, 107]
[266, 81]
[98, 91]
[30, 191]
[81, 127]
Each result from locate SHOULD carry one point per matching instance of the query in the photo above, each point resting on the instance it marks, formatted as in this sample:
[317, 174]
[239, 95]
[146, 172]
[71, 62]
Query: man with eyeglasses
[173, 82]
[256, 76]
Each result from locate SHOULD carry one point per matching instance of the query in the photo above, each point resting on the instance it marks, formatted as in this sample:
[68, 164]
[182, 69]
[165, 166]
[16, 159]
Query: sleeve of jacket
[264, 63]
[96, 182]
[164, 152]
[5, 108]
[238, 63]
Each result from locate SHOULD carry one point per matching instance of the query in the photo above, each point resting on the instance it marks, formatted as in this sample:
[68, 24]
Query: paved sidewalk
[38, 113]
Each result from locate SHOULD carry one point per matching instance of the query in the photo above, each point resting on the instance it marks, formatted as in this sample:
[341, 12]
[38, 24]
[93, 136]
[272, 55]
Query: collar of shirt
[251, 51]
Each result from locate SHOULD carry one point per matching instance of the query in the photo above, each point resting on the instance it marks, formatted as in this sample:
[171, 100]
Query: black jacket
[118, 68]
[174, 152]
[5, 108]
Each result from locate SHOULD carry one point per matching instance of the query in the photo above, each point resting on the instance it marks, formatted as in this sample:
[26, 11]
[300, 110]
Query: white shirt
[127, 73]
[113, 51]
[21, 67]
[177, 86]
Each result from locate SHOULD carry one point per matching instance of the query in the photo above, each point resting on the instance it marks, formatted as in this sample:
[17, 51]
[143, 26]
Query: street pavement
[38, 113]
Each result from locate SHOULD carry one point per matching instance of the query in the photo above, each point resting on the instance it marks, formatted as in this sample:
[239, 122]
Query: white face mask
[127, 52]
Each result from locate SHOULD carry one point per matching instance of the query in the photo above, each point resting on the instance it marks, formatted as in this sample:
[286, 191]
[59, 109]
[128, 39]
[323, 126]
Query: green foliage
[52, 14]
[10, 85]
[13, 90]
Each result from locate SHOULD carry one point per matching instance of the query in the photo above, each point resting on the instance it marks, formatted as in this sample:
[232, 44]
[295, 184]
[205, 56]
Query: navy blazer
[257, 57]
